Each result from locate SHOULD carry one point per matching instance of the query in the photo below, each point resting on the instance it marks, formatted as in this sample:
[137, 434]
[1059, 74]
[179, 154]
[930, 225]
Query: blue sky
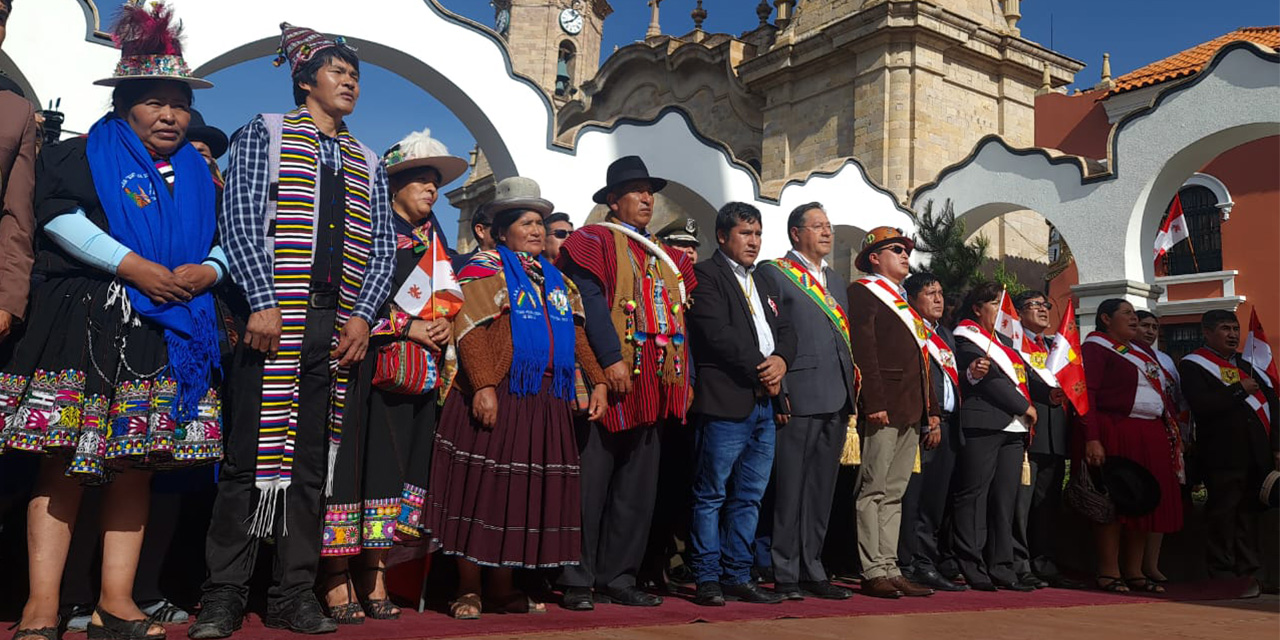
[1134, 32]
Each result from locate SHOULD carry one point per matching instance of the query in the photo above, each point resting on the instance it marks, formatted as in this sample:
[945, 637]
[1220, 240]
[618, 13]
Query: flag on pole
[1065, 362]
[431, 290]
[1258, 353]
[1173, 231]
[1008, 324]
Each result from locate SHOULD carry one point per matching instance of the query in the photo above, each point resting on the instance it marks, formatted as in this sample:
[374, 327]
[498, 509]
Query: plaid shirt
[241, 224]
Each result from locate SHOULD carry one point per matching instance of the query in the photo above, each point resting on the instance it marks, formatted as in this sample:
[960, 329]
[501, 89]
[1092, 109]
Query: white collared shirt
[746, 281]
[948, 393]
[818, 271]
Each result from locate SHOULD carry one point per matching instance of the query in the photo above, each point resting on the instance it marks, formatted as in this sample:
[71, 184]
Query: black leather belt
[325, 299]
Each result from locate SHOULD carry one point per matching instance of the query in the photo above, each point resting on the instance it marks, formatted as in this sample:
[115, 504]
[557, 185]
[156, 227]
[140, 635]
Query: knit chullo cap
[298, 45]
[150, 43]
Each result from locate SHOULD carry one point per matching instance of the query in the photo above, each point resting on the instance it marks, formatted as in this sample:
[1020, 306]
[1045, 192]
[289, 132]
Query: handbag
[405, 367]
[1087, 497]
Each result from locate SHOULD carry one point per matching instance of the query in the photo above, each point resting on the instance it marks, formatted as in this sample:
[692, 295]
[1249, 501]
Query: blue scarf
[168, 229]
[531, 342]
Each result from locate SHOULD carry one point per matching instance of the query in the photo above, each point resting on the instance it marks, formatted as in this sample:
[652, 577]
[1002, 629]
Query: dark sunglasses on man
[561, 234]
[898, 249]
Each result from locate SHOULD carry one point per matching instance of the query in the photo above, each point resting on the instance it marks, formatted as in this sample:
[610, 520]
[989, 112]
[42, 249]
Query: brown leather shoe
[880, 588]
[909, 588]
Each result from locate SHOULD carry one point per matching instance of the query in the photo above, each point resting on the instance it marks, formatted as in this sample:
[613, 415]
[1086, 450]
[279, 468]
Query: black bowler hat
[1131, 486]
[624, 170]
[198, 131]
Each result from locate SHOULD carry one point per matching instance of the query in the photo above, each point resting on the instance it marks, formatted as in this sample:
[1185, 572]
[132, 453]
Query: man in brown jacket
[17, 187]
[887, 337]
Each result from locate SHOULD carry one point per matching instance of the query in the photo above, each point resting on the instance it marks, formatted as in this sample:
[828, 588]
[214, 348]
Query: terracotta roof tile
[1191, 61]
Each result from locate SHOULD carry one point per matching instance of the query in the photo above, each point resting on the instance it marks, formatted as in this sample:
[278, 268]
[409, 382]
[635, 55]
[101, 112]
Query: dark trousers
[986, 492]
[1037, 515]
[806, 462]
[925, 504]
[1231, 524]
[619, 486]
[669, 532]
[231, 553]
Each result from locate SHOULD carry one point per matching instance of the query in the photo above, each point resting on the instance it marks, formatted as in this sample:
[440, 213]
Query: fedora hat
[419, 149]
[198, 131]
[1131, 486]
[622, 171]
[150, 42]
[877, 239]
[516, 192]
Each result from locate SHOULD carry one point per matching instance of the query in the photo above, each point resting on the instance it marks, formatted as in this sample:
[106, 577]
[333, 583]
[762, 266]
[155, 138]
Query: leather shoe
[577, 599]
[1059, 581]
[1032, 580]
[763, 575]
[709, 594]
[221, 614]
[788, 591]
[627, 596]
[300, 614]
[750, 592]
[880, 588]
[825, 590]
[1012, 586]
[982, 586]
[910, 589]
[933, 579]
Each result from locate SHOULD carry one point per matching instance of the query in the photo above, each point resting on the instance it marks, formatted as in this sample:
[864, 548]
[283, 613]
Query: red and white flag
[1258, 353]
[431, 290]
[1065, 362]
[1008, 324]
[1173, 231]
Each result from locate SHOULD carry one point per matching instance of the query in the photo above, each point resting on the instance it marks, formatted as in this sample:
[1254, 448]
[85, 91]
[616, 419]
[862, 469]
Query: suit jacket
[17, 191]
[939, 378]
[1053, 425]
[894, 372]
[820, 380]
[1229, 435]
[995, 400]
[722, 335]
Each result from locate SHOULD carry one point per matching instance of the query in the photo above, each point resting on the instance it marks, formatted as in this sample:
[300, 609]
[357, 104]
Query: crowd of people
[593, 413]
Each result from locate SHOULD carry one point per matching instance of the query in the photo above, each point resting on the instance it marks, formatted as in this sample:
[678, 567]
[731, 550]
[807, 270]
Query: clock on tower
[555, 43]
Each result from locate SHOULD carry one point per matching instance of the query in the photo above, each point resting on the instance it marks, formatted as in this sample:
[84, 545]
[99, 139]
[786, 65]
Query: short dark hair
[307, 72]
[476, 220]
[796, 219]
[127, 94]
[734, 212]
[1108, 308]
[916, 282]
[1143, 314]
[1215, 317]
[979, 294]
[1023, 298]
[558, 216]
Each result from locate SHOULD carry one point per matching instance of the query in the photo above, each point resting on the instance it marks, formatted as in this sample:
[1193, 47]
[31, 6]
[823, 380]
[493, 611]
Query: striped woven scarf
[295, 224]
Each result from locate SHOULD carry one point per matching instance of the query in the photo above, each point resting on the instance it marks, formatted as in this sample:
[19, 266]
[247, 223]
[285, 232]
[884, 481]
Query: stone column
[1089, 295]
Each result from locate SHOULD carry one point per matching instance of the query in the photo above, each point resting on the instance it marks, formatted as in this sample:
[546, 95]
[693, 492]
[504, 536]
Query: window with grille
[1178, 340]
[1202, 251]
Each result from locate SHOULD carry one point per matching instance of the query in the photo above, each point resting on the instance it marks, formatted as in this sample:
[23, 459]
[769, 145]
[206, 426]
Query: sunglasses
[898, 249]
[561, 234]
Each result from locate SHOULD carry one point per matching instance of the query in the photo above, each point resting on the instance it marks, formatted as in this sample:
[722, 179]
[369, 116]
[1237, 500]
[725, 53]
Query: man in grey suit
[820, 388]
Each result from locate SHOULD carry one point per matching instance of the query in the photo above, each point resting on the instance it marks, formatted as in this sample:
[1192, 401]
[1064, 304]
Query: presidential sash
[1230, 374]
[1005, 358]
[1153, 375]
[798, 275]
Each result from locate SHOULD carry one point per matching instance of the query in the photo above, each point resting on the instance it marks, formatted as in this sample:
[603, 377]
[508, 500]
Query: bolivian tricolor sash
[798, 275]
[1229, 374]
[1151, 373]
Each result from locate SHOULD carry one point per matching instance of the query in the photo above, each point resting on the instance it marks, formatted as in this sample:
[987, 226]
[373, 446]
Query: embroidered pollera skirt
[87, 381]
[380, 475]
[508, 496]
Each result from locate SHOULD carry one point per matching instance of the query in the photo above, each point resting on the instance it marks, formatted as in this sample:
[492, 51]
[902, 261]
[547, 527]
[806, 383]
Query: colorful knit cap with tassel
[298, 45]
[150, 43]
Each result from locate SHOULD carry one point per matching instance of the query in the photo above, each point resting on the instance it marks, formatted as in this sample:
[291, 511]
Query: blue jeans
[734, 459]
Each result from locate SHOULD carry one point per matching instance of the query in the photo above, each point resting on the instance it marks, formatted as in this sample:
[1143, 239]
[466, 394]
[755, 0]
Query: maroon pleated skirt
[510, 496]
[1147, 443]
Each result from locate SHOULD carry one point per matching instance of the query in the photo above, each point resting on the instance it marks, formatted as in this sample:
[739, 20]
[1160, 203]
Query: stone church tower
[554, 43]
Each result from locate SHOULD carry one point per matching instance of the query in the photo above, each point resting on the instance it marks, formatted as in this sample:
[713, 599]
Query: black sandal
[380, 608]
[44, 633]
[113, 628]
[349, 613]
[1111, 584]
[1143, 584]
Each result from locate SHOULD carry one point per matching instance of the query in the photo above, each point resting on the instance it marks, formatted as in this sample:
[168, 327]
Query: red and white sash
[887, 294]
[1037, 356]
[1005, 358]
[1229, 374]
[942, 354]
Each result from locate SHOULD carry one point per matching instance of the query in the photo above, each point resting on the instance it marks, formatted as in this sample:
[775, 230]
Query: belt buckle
[322, 299]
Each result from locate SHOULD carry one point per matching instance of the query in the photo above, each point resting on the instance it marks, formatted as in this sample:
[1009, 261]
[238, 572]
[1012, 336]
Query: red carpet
[434, 624]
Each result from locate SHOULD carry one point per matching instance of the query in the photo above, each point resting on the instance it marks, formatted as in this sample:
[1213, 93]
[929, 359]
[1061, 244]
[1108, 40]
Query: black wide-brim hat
[198, 131]
[1132, 488]
[624, 170]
